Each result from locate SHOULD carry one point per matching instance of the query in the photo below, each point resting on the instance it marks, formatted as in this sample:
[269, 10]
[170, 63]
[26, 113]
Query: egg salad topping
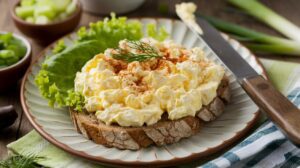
[177, 81]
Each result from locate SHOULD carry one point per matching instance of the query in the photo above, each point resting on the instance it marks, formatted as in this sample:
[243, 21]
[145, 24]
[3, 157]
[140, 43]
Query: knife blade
[225, 52]
[277, 107]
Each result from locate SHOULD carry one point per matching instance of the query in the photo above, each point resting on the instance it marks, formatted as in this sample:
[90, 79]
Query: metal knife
[278, 108]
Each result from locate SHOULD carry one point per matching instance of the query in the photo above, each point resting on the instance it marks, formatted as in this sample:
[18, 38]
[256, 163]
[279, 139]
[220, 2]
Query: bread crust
[161, 133]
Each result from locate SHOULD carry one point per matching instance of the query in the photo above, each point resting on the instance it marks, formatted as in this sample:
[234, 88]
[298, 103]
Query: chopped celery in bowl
[45, 11]
[48, 20]
[11, 49]
[15, 57]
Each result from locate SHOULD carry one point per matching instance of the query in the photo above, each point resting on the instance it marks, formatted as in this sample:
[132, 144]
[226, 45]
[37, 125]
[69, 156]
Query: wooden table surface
[219, 8]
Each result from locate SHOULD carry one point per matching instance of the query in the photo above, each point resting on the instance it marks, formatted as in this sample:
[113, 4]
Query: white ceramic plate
[55, 124]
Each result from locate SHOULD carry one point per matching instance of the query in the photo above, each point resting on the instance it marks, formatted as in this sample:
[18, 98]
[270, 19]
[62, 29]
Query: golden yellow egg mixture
[179, 82]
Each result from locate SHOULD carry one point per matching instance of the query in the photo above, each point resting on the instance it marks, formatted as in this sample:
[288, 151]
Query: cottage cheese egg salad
[136, 82]
[137, 78]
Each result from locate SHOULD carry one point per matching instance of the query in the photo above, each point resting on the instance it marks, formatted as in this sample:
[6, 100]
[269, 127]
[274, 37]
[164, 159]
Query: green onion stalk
[257, 41]
[274, 49]
[269, 17]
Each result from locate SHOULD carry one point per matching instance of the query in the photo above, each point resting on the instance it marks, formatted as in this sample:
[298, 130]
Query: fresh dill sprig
[21, 161]
[145, 52]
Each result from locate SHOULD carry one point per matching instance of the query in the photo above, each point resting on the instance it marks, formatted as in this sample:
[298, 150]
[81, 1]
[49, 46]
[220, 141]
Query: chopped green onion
[269, 17]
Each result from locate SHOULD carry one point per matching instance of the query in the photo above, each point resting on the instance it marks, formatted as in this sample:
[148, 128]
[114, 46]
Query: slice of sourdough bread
[163, 132]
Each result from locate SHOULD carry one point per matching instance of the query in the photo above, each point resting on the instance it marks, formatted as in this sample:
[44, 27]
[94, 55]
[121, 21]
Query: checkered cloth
[266, 147]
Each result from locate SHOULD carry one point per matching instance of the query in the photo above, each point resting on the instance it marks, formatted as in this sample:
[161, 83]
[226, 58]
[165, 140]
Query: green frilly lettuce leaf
[56, 78]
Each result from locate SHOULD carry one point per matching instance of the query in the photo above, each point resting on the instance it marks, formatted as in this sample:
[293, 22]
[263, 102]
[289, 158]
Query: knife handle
[279, 109]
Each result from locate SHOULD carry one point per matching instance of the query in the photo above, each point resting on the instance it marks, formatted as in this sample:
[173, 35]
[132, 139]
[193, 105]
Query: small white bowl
[104, 7]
